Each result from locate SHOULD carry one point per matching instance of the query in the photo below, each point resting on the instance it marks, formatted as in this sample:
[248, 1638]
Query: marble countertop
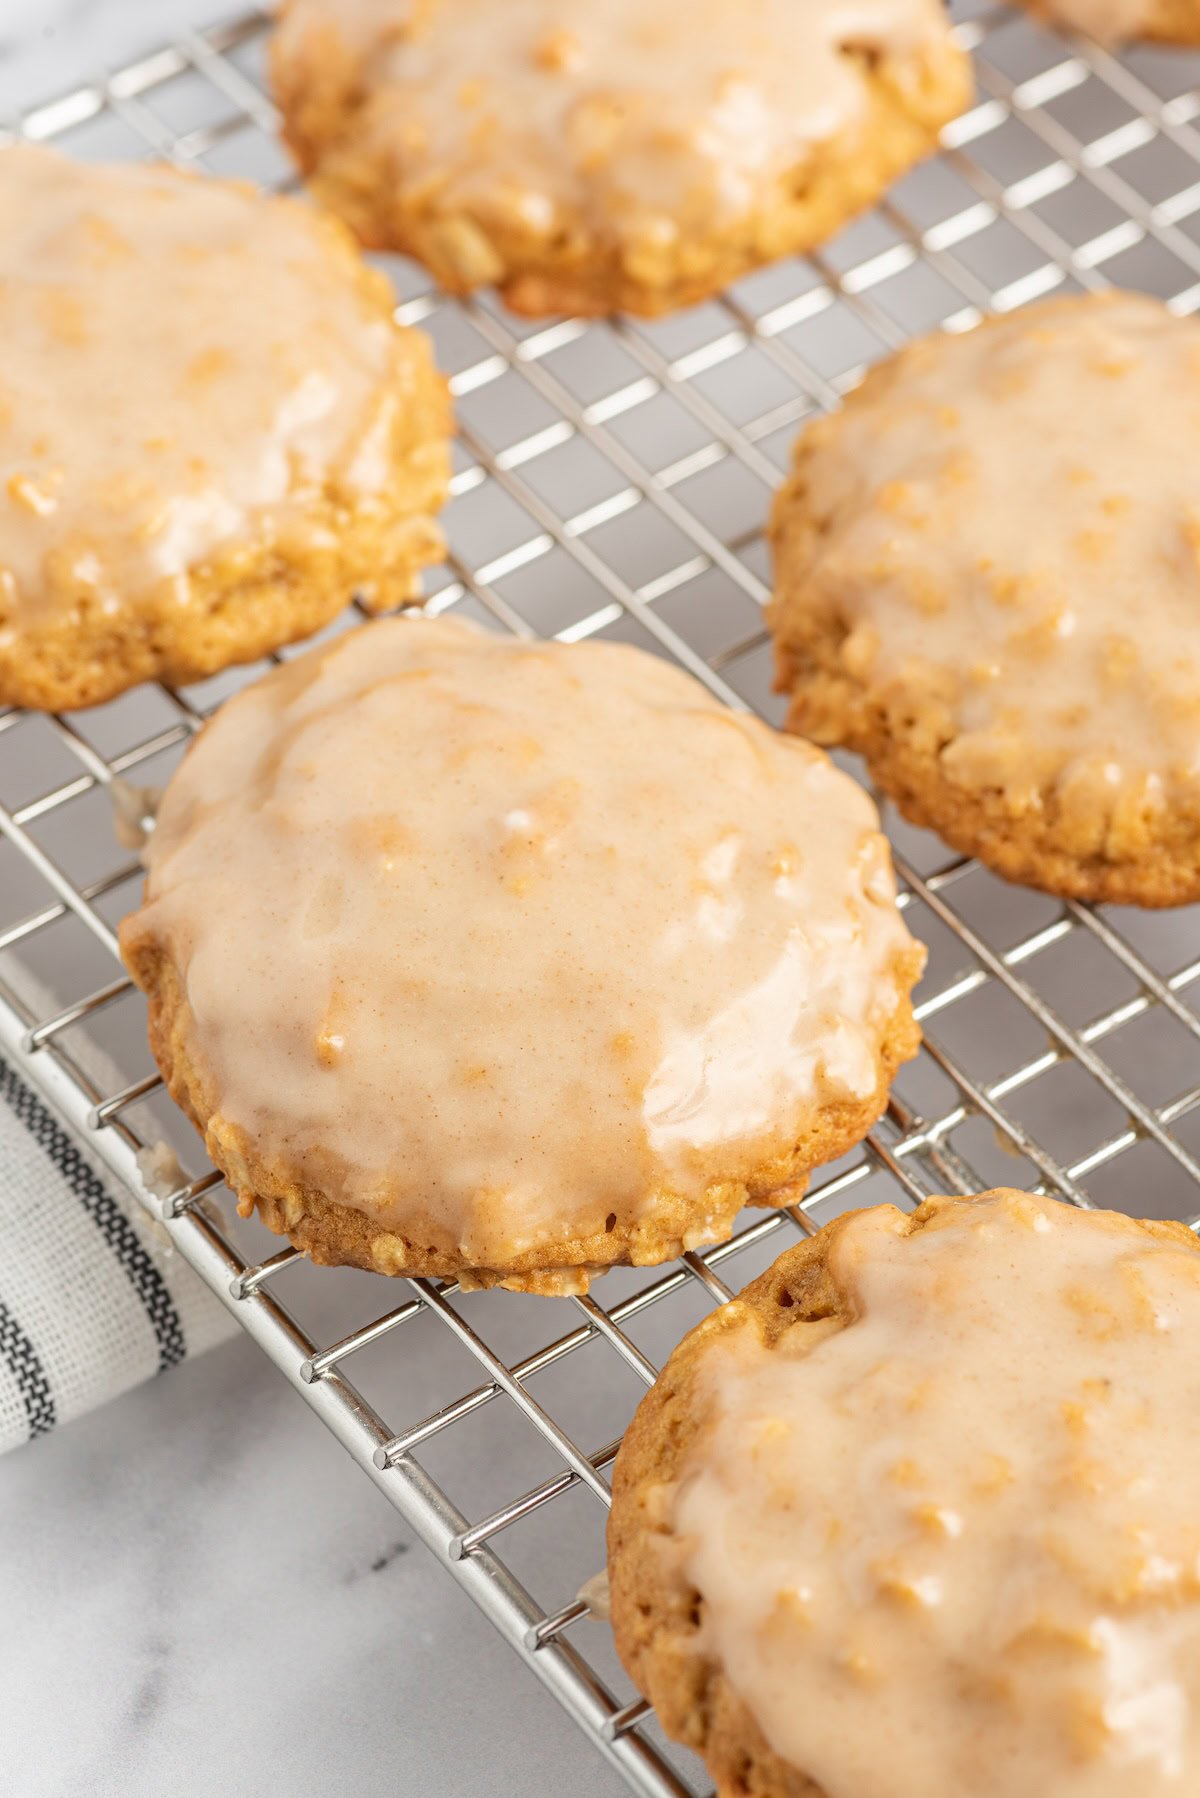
[201, 1594]
[48, 46]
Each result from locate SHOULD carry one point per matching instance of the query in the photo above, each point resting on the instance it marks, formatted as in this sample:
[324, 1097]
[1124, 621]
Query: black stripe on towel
[105, 1213]
[19, 1354]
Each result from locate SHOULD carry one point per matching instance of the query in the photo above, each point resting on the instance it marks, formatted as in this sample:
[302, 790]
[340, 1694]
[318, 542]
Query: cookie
[211, 431]
[916, 1515]
[987, 581]
[508, 961]
[591, 155]
[1119, 21]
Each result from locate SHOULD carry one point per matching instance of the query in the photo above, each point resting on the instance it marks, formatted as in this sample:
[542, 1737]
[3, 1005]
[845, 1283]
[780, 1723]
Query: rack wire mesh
[611, 481]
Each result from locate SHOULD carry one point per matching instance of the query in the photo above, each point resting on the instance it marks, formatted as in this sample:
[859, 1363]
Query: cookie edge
[333, 1234]
[910, 97]
[831, 706]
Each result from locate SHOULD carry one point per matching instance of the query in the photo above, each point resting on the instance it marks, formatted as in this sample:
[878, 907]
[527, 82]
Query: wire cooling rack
[611, 481]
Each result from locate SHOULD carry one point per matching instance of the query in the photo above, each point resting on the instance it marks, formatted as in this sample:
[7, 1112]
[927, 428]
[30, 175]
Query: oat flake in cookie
[590, 155]
[915, 1516]
[509, 961]
[211, 430]
[987, 581]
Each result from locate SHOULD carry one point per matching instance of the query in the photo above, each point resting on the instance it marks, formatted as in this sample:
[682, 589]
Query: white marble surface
[48, 46]
[200, 1593]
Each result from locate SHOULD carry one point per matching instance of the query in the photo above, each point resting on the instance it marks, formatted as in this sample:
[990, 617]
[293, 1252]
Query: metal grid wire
[612, 480]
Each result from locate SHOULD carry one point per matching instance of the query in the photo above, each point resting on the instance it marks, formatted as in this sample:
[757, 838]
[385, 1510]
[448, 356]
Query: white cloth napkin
[93, 1297]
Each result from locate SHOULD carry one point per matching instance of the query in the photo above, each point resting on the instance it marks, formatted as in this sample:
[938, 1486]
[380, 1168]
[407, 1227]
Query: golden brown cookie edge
[908, 102]
[1170, 22]
[832, 707]
[333, 1234]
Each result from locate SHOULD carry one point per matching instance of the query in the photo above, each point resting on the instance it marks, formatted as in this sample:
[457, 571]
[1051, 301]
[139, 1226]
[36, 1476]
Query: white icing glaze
[1013, 544]
[954, 1546]
[491, 940]
[183, 358]
[646, 119]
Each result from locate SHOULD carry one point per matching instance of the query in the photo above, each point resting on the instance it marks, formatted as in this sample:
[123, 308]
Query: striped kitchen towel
[93, 1298]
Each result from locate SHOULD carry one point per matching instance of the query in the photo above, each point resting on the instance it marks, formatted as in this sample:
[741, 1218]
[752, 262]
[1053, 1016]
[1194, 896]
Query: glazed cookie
[211, 431]
[1117, 21]
[589, 155]
[916, 1514]
[987, 570]
[509, 961]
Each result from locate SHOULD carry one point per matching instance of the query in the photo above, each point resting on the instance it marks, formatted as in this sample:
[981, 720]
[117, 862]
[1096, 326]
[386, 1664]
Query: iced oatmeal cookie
[211, 431]
[987, 581]
[915, 1514]
[591, 155]
[1120, 21]
[509, 961]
